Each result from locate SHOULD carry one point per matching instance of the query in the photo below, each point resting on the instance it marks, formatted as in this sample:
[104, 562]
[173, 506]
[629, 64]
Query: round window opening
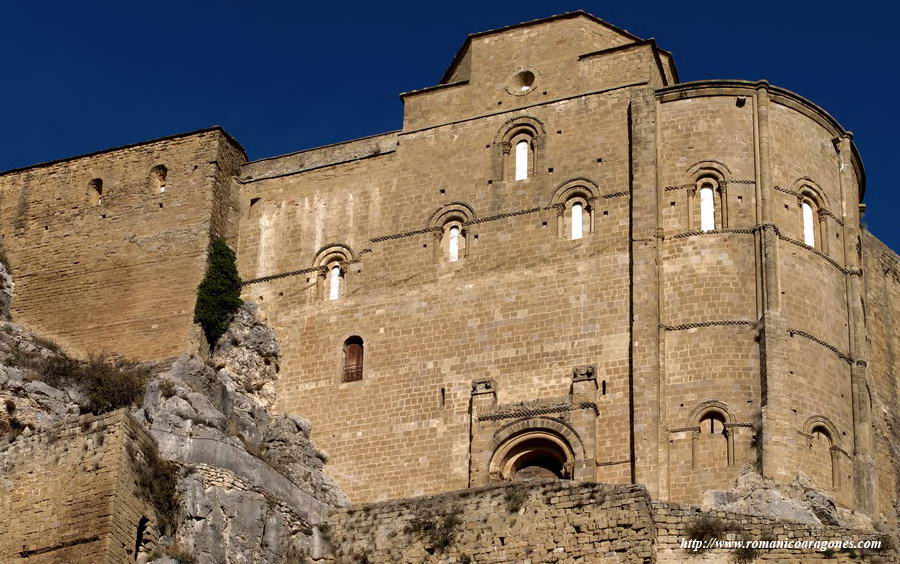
[522, 82]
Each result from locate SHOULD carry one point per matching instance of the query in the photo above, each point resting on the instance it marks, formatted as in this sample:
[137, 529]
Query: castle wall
[118, 271]
[70, 493]
[882, 301]
[724, 320]
[756, 322]
[547, 522]
[694, 351]
[523, 306]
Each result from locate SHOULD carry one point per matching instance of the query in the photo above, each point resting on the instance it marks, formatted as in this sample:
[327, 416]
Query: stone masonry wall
[546, 522]
[523, 306]
[710, 349]
[68, 494]
[713, 349]
[882, 301]
[558, 522]
[676, 522]
[117, 270]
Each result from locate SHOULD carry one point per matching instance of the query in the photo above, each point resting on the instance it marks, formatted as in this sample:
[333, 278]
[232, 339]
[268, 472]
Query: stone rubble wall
[517, 522]
[673, 524]
[554, 522]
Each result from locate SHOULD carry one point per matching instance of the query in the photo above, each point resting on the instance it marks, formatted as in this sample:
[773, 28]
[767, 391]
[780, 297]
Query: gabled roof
[567, 15]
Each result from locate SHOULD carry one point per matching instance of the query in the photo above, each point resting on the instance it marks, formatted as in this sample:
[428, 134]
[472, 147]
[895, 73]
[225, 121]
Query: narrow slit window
[577, 221]
[453, 244]
[809, 233]
[158, 178]
[521, 160]
[334, 283]
[95, 192]
[707, 209]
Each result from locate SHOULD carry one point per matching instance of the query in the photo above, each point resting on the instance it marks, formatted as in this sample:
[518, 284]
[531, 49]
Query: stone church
[565, 263]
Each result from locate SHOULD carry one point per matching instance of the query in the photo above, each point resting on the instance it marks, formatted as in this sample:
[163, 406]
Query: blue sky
[281, 76]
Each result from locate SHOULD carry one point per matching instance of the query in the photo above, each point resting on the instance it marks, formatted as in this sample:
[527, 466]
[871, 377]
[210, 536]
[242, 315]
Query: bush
[166, 388]
[515, 497]
[438, 532]
[108, 383]
[707, 528]
[219, 294]
[746, 553]
[177, 552]
[48, 344]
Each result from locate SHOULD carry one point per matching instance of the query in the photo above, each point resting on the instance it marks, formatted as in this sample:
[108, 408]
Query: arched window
[522, 150]
[813, 214]
[712, 447]
[453, 239]
[353, 360]
[821, 459]
[809, 229]
[707, 208]
[575, 217]
[332, 263]
[95, 191]
[517, 150]
[158, 178]
[335, 282]
[577, 221]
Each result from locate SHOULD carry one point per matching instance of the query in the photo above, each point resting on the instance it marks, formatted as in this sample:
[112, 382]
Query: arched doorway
[533, 455]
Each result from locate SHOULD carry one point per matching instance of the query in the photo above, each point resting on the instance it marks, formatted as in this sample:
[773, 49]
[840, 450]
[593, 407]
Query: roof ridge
[565, 15]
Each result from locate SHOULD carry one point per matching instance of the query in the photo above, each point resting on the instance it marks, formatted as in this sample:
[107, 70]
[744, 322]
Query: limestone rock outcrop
[797, 502]
[251, 485]
[249, 352]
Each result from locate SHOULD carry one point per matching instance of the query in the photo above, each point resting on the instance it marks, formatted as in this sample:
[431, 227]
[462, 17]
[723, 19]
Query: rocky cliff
[250, 485]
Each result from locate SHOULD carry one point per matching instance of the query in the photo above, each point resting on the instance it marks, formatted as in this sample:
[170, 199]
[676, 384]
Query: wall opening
[707, 209]
[95, 192]
[821, 460]
[809, 226]
[158, 176]
[335, 282]
[577, 231]
[353, 359]
[537, 454]
[712, 447]
[522, 150]
[139, 536]
[453, 244]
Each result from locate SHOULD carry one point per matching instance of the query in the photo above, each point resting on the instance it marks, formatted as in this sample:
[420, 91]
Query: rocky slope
[798, 502]
[251, 484]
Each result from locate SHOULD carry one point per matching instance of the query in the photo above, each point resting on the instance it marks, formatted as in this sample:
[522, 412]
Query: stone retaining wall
[70, 494]
[560, 522]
